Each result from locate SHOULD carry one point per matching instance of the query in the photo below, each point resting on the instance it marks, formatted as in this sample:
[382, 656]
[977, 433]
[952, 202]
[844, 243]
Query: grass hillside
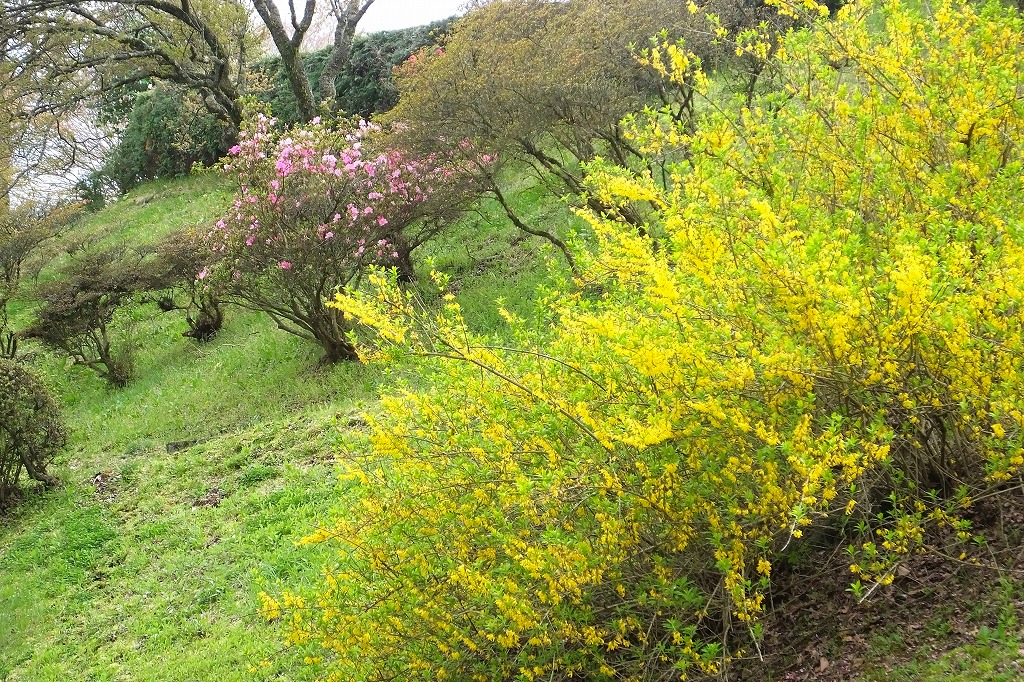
[184, 493]
[753, 413]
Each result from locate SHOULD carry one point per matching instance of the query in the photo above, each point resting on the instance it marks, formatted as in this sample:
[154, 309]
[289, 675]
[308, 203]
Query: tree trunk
[38, 474]
[406, 272]
[348, 13]
[338, 351]
[241, 78]
[6, 166]
[295, 70]
[291, 59]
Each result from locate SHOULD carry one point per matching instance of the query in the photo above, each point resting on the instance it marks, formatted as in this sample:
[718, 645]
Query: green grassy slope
[147, 565]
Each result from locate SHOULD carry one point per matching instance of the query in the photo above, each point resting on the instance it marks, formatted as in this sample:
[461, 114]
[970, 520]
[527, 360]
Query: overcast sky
[386, 15]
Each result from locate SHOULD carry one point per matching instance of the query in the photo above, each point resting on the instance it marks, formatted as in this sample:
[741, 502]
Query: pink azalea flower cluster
[315, 206]
[314, 190]
[317, 200]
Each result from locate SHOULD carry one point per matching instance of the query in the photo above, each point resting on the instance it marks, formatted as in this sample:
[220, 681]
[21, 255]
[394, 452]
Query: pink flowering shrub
[315, 208]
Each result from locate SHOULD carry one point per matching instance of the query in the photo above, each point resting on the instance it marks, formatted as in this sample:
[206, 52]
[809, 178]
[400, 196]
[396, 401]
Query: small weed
[256, 474]
[885, 643]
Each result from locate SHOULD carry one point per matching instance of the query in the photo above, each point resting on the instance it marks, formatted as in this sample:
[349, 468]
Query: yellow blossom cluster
[821, 322]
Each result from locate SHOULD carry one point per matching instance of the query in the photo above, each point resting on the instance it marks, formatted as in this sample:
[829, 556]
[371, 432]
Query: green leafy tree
[546, 84]
[34, 140]
[78, 50]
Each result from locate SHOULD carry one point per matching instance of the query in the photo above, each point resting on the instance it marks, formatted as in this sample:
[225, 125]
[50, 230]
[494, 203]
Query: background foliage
[366, 86]
[168, 131]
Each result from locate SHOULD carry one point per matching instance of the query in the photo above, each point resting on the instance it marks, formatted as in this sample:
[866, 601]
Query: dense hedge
[168, 130]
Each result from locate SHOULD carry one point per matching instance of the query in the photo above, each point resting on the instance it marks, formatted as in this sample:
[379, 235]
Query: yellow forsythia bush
[822, 322]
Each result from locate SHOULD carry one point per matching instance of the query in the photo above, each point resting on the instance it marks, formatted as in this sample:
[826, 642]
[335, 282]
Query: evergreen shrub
[31, 430]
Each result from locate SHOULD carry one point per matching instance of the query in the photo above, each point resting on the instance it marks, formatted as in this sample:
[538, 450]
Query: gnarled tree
[178, 277]
[78, 311]
[347, 14]
[23, 231]
[77, 49]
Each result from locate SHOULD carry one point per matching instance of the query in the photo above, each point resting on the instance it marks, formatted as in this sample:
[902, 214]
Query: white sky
[386, 15]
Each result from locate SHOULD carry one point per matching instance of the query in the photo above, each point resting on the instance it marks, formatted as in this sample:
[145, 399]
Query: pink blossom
[313, 177]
